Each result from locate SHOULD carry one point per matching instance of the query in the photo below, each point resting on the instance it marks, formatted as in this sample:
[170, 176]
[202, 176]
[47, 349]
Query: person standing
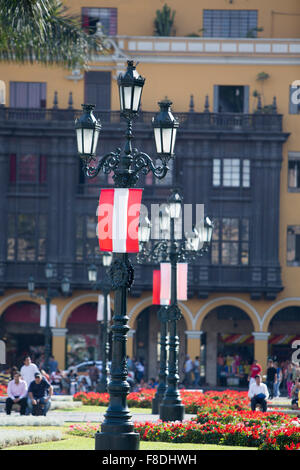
[271, 377]
[53, 365]
[39, 392]
[255, 370]
[94, 375]
[17, 394]
[28, 370]
[188, 369]
[196, 371]
[278, 380]
[258, 393]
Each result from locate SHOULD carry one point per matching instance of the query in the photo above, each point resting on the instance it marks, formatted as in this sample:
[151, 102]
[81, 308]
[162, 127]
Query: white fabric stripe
[120, 213]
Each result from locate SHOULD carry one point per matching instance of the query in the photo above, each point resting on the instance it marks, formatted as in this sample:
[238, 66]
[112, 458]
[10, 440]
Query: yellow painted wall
[136, 17]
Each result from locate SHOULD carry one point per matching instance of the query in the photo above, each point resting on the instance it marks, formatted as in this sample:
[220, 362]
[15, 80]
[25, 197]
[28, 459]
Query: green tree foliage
[43, 31]
[163, 23]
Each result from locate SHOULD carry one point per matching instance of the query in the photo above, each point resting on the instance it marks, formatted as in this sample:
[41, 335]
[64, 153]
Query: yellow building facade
[179, 66]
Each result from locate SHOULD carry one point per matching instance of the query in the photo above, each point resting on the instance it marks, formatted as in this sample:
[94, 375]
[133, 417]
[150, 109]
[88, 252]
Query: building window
[27, 169]
[231, 173]
[26, 237]
[231, 99]
[294, 107]
[87, 245]
[294, 174]
[293, 245]
[106, 16]
[229, 23]
[27, 94]
[230, 244]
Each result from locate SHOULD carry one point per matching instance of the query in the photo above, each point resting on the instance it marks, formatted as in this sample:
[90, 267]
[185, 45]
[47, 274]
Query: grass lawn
[84, 443]
[101, 409]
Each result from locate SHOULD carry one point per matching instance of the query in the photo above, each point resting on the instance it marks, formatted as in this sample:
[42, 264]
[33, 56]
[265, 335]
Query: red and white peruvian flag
[165, 281]
[118, 220]
[157, 299]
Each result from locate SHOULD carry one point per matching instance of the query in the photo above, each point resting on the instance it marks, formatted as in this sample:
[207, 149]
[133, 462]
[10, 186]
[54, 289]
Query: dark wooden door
[98, 89]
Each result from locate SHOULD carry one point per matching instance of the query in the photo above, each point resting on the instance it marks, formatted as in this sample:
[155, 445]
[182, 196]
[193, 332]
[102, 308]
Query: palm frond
[43, 31]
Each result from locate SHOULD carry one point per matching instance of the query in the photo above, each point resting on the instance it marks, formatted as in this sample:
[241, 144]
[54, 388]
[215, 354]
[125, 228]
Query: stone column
[59, 346]
[211, 357]
[193, 343]
[261, 348]
[129, 345]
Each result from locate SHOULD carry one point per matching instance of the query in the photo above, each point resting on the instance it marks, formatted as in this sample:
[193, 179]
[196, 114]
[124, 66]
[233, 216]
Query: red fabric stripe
[133, 215]
[156, 287]
[105, 219]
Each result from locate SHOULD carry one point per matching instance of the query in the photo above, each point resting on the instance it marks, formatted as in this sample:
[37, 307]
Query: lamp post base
[171, 412]
[156, 403]
[116, 440]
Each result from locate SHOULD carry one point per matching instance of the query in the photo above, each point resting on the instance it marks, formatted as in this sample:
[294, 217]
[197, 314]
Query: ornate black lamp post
[105, 287]
[174, 251]
[117, 431]
[48, 296]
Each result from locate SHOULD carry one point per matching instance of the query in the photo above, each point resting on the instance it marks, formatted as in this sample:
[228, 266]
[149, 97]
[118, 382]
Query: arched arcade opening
[146, 342]
[227, 346]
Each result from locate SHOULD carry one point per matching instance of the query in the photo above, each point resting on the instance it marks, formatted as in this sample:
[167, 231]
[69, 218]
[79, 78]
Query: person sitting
[39, 393]
[17, 394]
[295, 395]
[258, 393]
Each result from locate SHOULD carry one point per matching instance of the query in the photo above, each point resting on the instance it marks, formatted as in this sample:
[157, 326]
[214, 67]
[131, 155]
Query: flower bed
[19, 438]
[18, 420]
[222, 418]
[193, 400]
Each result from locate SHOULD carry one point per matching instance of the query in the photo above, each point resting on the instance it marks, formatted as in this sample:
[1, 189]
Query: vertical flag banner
[53, 315]
[182, 270]
[165, 281]
[118, 220]
[100, 310]
[157, 299]
[156, 287]
[165, 285]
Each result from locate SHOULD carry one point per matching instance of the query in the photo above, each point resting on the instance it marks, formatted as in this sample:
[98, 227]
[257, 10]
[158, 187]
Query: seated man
[39, 392]
[258, 393]
[17, 393]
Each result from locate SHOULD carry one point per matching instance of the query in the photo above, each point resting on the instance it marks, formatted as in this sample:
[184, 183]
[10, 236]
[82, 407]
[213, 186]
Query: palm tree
[42, 31]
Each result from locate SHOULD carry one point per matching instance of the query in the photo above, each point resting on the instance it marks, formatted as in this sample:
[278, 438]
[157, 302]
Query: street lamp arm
[142, 163]
[153, 254]
[107, 163]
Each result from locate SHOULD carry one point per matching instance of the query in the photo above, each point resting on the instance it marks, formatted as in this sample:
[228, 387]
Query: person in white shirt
[17, 393]
[258, 393]
[28, 370]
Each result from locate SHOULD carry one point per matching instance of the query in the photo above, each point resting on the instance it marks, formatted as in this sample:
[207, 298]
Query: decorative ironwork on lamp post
[105, 286]
[172, 250]
[117, 430]
[50, 294]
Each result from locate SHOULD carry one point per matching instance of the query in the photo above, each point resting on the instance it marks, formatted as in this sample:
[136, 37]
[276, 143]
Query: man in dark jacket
[39, 393]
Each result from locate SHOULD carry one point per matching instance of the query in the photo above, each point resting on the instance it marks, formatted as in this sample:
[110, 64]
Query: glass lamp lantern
[130, 90]
[87, 131]
[165, 128]
[49, 271]
[31, 284]
[208, 230]
[144, 231]
[92, 273]
[106, 259]
[65, 286]
[175, 201]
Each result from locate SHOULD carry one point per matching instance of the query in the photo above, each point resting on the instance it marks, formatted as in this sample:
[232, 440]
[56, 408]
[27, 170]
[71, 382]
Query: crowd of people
[32, 388]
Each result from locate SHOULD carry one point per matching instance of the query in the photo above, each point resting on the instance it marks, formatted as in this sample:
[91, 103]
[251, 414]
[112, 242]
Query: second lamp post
[105, 286]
